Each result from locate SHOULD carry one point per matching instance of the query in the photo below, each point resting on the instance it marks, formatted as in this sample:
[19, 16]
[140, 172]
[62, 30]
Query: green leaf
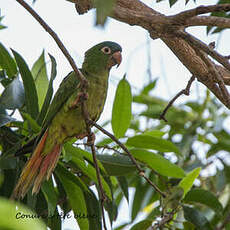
[61, 171]
[55, 223]
[33, 124]
[173, 199]
[104, 141]
[154, 143]
[143, 225]
[49, 93]
[94, 211]
[72, 151]
[137, 203]
[154, 133]
[124, 186]
[7, 62]
[40, 78]
[158, 163]
[204, 197]
[50, 196]
[116, 165]
[90, 171]
[172, 2]
[188, 226]
[187, 182]
[76, 200]
[13, 96]
[111, 208]
[12, 216]
[8, 163]
[121, 114]
[1, 26]
[197, 218]
[103, 9]
[149, 87]
[122, 226]
[31, 96]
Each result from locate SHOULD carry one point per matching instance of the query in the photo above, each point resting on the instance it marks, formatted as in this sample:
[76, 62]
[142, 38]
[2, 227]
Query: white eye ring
[106, 50]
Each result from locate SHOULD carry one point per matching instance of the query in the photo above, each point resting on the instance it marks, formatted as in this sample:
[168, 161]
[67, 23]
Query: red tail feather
[38, 168]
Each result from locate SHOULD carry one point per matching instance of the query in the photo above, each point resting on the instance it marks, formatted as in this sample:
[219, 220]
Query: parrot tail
[39, 167]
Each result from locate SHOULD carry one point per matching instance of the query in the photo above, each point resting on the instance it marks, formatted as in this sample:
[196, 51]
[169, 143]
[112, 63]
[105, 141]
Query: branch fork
[171, 30]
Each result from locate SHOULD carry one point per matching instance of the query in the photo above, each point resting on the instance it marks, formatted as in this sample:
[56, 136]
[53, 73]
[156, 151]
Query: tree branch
[91, 140]
[141, 172]
[216, 77]
[200, 10]
[185, 91]
[207, 21]
[164, 220]
[171, 30]
[196, 43]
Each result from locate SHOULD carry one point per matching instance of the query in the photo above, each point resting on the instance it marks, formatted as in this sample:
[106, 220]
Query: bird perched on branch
[65, 118]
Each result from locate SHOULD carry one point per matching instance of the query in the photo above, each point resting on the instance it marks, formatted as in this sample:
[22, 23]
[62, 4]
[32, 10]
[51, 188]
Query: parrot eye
[106, 50]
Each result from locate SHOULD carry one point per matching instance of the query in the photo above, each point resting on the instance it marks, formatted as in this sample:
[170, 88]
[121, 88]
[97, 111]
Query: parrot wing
[67, 87]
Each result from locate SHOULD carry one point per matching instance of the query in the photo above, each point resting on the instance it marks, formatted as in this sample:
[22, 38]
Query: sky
[78, 32]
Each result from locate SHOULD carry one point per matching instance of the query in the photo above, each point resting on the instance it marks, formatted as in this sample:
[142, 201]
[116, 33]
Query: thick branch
[216, 77]
[135, 12]
[196, 43]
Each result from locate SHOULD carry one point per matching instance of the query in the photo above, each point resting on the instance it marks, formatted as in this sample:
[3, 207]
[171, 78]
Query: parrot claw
[80, 98]
[91, 139]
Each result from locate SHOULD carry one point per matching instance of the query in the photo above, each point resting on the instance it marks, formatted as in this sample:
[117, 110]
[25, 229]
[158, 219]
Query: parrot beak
[116, 58]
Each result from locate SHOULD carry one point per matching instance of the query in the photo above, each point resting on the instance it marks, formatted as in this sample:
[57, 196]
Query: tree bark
[171, 30]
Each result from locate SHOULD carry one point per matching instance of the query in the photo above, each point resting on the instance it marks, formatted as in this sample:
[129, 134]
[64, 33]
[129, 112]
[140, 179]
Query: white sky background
[78, 33]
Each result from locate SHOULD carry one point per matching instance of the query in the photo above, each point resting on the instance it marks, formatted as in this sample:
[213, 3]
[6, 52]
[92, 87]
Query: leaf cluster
[176, 156]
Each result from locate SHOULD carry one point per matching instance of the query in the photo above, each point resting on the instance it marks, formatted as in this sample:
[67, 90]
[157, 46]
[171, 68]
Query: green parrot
[64, 119]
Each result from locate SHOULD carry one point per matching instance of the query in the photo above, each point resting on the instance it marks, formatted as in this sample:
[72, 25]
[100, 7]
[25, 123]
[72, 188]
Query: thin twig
[208, 21]
[141, 171]
[91, 140]
[100, 147]
[165, 220]
[201, 10]
[183, 91]
[56, 38]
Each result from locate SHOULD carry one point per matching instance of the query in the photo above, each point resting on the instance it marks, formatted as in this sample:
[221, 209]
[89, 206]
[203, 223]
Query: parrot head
[102, 57]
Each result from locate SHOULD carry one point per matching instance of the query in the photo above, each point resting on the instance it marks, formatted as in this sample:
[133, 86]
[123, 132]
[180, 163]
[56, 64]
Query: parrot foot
[91, 139]
[81, 136]
[80, 98]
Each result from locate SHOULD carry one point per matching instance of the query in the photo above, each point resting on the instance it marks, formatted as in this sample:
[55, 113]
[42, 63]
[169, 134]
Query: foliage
[18, 218]
[213, 30]
[1, 25]
[176, 156]
[149, 143]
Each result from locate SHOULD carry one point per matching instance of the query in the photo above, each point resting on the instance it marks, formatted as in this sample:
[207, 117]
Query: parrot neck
[94, 69]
